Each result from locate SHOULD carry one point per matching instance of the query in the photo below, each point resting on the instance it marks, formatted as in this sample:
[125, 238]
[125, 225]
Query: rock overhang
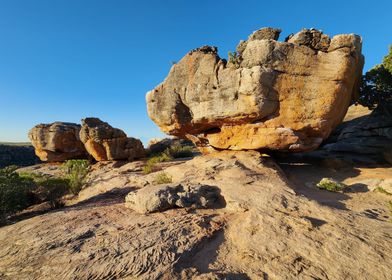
[270, 95]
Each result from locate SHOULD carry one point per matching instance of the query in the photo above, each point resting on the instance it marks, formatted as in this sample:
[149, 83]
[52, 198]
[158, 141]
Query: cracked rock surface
[271, 95]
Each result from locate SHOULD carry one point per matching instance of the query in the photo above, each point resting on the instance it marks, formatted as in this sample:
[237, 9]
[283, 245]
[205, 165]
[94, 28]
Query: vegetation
[76, 172]
[163, 178]
[330, 185]
[376, 86]
[234, 58]
[390, 210]
[20, 190]
[14, 192]
[175, 151]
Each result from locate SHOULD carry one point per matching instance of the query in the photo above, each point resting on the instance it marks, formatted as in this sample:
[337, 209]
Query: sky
[64, 60]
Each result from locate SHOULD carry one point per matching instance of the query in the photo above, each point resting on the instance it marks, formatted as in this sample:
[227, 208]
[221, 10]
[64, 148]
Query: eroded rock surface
[58, 141]
[105, 142]
[271, 95]
[163, 197]
[264, 230]
[369, 135]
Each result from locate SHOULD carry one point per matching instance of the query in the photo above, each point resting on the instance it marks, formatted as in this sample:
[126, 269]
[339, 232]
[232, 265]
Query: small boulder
[159, 198]
[104, 142]
[58, 141]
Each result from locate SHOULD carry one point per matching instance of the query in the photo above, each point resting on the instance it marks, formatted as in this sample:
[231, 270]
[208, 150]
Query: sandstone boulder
[58, 141]
[270, 95]
[104, 142]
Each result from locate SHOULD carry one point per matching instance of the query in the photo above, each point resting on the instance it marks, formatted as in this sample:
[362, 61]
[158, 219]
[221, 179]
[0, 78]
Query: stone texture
[105, 142]
[163, 197]
[274, 95]
[369, 135]
[58, 141]
[160, 145]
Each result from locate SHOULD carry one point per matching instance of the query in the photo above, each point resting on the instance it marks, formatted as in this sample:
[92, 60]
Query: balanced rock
[105, 142]
[58, 141]
[271, 95]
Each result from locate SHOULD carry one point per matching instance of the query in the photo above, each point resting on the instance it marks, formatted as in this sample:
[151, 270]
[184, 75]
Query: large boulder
[58, 141]
[104, 142]
[270, 95]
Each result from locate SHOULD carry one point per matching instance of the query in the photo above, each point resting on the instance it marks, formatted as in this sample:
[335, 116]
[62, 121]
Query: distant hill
[16, 143]
[20, 154]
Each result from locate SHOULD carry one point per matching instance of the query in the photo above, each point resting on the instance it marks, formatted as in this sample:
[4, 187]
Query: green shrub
[175, 151]
[330, 185]
[376, 86]
[76, 171]
[234, 58]
[179, 151]
[163, 178]
[150, 165]
[14, 192]
[46, 188]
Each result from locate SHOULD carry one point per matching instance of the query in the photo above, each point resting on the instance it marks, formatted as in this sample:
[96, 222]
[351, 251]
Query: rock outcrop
[369, 135]
[270, 95]
[105, 142]
[58, 141]
[163, 197]
[160, 145]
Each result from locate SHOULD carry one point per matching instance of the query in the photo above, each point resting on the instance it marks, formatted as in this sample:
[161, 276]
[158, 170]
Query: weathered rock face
[272, 95]
[17, 155]
[105, 142]
[163, 197]
[369, 135]
[58, 141]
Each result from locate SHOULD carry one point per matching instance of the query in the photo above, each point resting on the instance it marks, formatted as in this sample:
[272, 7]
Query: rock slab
[270, 95]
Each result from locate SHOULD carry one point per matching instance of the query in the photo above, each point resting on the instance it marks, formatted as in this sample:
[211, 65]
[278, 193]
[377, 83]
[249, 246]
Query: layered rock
[58, 141]
[369, 135]
[270, 95]
[105, 142]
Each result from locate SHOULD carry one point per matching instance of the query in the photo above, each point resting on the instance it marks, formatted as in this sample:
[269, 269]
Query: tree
[376, 86]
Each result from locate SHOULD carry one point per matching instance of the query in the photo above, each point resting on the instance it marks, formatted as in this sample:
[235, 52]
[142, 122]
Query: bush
[376, 86]
[14, 192]
[178, 151]
[234, 58]
[175, 151]
[163, 178]
[330, 185]
[76, 171]
[46, 188]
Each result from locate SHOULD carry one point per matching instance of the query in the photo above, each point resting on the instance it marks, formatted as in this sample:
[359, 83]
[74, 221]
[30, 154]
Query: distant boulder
[104, 142]
[58, 141]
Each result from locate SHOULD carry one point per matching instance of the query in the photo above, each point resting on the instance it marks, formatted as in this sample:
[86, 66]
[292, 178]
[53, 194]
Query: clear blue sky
[62, 60]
